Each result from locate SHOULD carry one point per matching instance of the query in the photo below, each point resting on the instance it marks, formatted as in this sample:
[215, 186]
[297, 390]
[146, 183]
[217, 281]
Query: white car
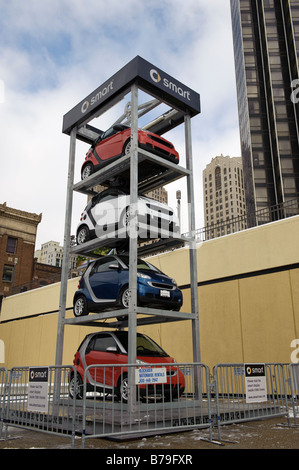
[108, 214]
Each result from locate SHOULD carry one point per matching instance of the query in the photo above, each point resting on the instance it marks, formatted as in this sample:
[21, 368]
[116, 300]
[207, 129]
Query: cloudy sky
[55, 52]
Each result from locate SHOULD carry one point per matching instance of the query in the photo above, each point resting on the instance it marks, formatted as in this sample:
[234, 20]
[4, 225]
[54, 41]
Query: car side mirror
[111, 349]
[118, 127]
[114, 266]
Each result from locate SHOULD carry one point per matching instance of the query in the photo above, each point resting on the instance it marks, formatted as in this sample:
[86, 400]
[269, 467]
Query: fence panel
[165, 397]
[3, 388]
[24, 400]
[233, 403]
[293, 392]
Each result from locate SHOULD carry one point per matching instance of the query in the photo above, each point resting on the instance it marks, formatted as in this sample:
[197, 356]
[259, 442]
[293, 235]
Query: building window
[218, 178]
[11, 246]
[7, 273]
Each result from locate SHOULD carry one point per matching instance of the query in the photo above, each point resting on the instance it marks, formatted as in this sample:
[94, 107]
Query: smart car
[116, 142]
[108, 212]
[111, 347]
[105, 284]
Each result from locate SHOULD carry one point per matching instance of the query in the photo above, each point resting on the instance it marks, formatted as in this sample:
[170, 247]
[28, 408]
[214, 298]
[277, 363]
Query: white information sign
[38, 389]
[151, 375]
[255, 383]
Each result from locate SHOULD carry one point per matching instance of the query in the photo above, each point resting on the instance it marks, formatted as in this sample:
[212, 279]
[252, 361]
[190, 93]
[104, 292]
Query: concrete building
[266, 45]
[17, 242]
[51, 253]
[223, 196]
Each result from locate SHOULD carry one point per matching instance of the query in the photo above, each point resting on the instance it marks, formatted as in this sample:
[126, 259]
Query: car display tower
[137, 76]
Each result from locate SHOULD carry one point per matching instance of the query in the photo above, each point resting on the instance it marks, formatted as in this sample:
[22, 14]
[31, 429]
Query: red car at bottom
[111, 347]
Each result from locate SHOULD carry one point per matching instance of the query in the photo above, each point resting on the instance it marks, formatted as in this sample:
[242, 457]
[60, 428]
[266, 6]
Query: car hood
[156, 359]
[157, 277]
[153, 202]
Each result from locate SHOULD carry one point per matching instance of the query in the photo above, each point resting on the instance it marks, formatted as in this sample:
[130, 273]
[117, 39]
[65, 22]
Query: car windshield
[145, 346]
[141, 264]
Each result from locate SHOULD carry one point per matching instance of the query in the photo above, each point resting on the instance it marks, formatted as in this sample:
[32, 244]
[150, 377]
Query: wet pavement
[263, 434]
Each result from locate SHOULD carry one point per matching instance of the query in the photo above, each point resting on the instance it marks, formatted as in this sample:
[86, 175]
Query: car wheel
[127, 147]
[124, 297]
[80, 306]
[87, 171]
[76, 387]
[122, 388]
[83, 235]
[124, 219]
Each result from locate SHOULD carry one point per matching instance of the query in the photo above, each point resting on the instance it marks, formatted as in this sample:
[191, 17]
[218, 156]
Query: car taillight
[79, 285]
[81, 216]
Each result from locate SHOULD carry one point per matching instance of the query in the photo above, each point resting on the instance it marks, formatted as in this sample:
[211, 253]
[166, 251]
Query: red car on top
[116, 142]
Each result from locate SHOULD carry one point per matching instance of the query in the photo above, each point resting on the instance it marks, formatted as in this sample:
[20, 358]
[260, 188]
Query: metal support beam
[132, 324]
[192, 243]
[66, 249]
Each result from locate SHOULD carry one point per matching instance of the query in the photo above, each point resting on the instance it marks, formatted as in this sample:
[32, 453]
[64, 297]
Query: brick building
[17, 243]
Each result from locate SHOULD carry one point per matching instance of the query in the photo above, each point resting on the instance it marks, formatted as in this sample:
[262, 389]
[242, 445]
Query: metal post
[192, 250]
[132, 323]
[66, 249]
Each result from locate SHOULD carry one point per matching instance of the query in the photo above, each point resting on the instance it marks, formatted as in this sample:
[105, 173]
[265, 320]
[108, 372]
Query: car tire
[124, 219]
[87, 171]
[127, 147]
[124, 297]
[122, 388]
[80, 306]
[83, 235]
[76, 387]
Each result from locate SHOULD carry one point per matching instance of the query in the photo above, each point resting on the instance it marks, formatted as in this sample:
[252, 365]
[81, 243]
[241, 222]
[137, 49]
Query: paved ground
[264, 434]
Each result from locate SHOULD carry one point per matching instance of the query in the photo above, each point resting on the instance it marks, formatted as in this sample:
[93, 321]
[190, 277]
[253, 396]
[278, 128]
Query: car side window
[103, 342]
[109, 133]
[103, 265]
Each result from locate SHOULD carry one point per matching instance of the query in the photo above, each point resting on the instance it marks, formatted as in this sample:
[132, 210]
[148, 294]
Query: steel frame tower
[185, 103]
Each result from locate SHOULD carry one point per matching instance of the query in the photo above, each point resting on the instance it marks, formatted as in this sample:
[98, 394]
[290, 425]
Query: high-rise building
[266, 44]
[223, 196]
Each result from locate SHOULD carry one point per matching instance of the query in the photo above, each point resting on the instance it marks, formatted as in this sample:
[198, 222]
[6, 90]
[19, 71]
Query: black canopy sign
[148, 77]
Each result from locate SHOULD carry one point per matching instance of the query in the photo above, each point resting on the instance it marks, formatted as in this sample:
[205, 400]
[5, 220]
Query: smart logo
[97, 97]
[254, 370]
[156, 77]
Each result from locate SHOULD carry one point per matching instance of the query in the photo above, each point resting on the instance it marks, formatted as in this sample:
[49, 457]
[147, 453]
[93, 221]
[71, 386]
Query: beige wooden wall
[248, 287]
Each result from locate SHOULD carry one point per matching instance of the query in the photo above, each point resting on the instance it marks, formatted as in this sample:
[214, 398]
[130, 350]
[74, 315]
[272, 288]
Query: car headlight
[174, 282]
[143, 276]
[138, 361]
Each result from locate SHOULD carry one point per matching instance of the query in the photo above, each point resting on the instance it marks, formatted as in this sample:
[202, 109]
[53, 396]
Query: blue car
[105, 284]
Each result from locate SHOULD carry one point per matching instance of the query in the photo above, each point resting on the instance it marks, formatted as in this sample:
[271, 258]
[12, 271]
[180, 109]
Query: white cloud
[54, 53]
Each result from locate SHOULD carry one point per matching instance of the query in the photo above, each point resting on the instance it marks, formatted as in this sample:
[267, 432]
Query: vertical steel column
[192, 243]
[66, 248]
[132, 323]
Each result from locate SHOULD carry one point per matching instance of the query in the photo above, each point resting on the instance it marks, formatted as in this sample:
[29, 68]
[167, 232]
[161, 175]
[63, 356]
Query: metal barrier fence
[3, 379]
[234, 403]
[164, 398]
[292, 373]
[19, 391]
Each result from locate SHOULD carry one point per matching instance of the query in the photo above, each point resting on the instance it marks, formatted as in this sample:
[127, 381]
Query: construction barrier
[125, 401]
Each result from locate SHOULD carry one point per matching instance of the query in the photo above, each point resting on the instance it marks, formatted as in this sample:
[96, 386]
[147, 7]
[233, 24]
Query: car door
[105, 213]
[109, 207]
[110, 145]
[104, 280]
[103, 350]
